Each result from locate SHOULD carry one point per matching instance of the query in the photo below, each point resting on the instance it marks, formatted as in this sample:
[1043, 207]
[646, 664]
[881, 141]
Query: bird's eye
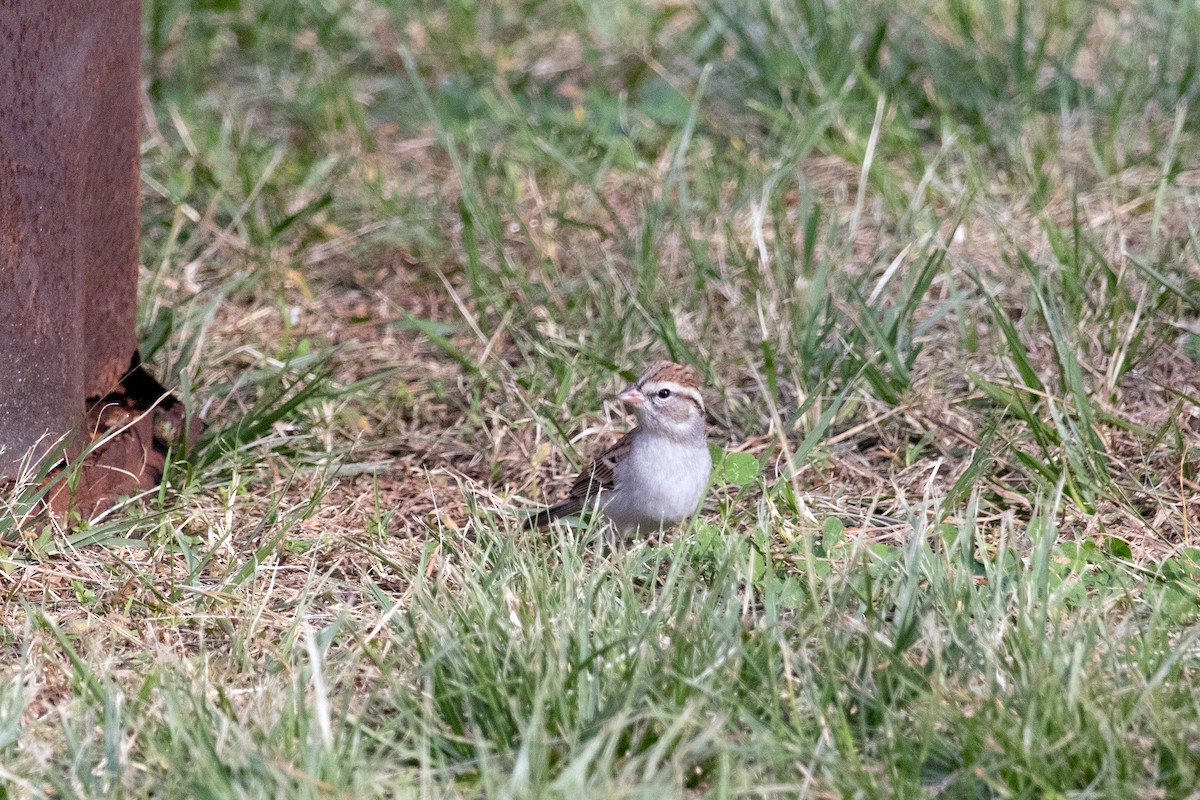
[664, 393]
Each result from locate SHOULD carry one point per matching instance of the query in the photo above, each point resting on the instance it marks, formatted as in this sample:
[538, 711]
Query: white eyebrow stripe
[676, 388]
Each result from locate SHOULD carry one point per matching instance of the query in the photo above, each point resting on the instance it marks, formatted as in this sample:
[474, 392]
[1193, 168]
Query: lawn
[937, 263]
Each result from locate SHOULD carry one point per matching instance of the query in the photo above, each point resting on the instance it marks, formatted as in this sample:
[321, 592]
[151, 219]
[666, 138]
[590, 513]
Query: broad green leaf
[738, 469]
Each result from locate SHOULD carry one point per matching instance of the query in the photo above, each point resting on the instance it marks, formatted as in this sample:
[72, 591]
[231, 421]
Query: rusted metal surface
[69, 109]
[125, 437]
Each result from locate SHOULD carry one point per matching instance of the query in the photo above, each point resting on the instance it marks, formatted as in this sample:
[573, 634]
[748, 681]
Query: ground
[938, 268]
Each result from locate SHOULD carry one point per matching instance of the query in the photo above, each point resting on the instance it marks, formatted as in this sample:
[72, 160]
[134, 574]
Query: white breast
[661, 482]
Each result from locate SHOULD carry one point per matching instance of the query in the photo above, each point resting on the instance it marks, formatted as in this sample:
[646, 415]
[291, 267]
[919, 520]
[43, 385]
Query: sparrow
[656, 474]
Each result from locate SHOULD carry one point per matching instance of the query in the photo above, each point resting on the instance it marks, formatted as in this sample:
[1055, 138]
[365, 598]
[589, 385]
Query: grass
[937, 263]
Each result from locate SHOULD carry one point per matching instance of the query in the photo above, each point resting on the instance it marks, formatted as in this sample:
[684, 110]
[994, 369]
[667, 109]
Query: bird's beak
[632, 396]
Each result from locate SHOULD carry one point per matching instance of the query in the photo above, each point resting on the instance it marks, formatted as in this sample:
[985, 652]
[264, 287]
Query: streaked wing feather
[600, 475]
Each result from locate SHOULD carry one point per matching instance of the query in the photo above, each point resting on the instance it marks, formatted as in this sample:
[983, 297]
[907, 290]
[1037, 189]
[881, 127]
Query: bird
[656, 474]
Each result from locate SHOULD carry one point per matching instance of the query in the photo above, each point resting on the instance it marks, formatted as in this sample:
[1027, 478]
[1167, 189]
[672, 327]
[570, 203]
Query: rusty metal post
[69, 109]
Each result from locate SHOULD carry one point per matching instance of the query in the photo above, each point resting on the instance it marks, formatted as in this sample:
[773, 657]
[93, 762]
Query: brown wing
[598, 476]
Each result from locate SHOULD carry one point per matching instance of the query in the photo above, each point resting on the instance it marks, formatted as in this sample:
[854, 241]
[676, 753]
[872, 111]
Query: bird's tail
[544, 517]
